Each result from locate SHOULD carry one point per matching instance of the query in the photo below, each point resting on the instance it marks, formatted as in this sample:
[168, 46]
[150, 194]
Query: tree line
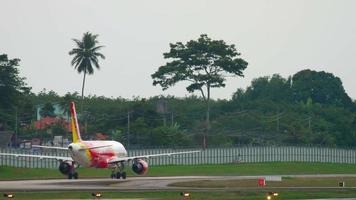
[271, 111]
[307, 108]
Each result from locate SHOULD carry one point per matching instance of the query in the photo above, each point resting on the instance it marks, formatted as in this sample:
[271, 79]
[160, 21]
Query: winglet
[74, 123]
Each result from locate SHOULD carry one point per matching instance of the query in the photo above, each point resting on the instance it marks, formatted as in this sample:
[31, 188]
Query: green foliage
[86, 55]
[117, 135]
[13, 91]
[204, 63]
[321, 87]
[11, 84]
[169, 136]
[266, 87]
[271, 111]
[249, 118]
[47, 110]
[66, 99]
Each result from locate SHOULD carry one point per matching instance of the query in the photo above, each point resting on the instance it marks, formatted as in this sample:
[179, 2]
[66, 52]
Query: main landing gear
[118, 171]
[73, 175]
[68, 168]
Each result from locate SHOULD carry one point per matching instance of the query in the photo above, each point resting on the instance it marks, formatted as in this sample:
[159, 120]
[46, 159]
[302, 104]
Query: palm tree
[86, 55]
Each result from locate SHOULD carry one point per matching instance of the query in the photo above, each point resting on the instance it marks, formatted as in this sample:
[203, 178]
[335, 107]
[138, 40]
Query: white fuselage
[96, 153]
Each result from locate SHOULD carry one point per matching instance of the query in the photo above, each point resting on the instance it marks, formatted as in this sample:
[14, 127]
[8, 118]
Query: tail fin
[75, 126]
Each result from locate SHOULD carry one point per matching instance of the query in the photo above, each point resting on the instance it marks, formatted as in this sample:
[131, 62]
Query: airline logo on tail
[74, 121]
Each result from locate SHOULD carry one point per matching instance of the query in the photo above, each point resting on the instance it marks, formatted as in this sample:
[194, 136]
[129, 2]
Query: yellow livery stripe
[74, 123]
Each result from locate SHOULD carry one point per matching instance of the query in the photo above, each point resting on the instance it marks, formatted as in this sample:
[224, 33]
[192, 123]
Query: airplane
[96, 154]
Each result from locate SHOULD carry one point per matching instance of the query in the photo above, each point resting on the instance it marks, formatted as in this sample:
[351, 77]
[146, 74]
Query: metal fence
[207, 156]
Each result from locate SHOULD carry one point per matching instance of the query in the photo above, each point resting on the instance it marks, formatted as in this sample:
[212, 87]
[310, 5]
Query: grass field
[10, 173]
[7, 173]
[286, 182]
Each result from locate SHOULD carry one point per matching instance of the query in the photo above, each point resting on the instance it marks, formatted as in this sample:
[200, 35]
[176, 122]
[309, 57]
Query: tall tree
[204, 63]
[275, 88]
[12, 89]
[321, 87]
[86, 55]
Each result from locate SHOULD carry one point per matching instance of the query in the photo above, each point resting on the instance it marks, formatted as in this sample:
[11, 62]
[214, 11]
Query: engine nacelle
[65, 167]
[140, 167]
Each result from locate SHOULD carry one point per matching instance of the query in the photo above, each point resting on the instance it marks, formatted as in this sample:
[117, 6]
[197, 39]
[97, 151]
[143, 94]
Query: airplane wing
[121, 159]
[66, 148]
[59, 158]
[49, 147]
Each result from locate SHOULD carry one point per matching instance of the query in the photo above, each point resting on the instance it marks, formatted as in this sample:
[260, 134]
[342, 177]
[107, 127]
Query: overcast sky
[274, 36]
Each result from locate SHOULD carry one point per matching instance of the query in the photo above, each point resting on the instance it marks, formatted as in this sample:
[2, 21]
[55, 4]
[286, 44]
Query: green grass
[255, 169]
[194, 195]
[7, 173]
[10, 173]
[286, 182]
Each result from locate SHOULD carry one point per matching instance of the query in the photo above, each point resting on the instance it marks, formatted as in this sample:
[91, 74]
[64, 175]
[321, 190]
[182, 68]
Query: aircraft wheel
[70, 176]
[118, 175]
[75, 175]
[113, 176]
[123, 175]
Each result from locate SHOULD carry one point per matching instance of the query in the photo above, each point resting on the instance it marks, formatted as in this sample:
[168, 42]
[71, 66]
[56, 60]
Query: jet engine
[140, 167]
[65, 167]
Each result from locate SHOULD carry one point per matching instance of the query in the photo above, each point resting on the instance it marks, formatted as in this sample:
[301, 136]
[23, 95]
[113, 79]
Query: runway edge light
[185, 194]
[272, 194]
[96, 195]
[9, 195]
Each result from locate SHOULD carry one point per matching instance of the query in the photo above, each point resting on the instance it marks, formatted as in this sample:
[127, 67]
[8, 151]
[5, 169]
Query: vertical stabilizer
[74, 123]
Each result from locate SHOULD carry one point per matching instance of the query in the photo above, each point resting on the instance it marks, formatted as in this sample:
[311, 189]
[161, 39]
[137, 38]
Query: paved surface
[130, 184]
[145, 184]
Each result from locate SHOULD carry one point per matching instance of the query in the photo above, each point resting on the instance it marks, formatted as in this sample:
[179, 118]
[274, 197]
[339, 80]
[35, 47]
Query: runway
[142, 184]
[130, 184]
